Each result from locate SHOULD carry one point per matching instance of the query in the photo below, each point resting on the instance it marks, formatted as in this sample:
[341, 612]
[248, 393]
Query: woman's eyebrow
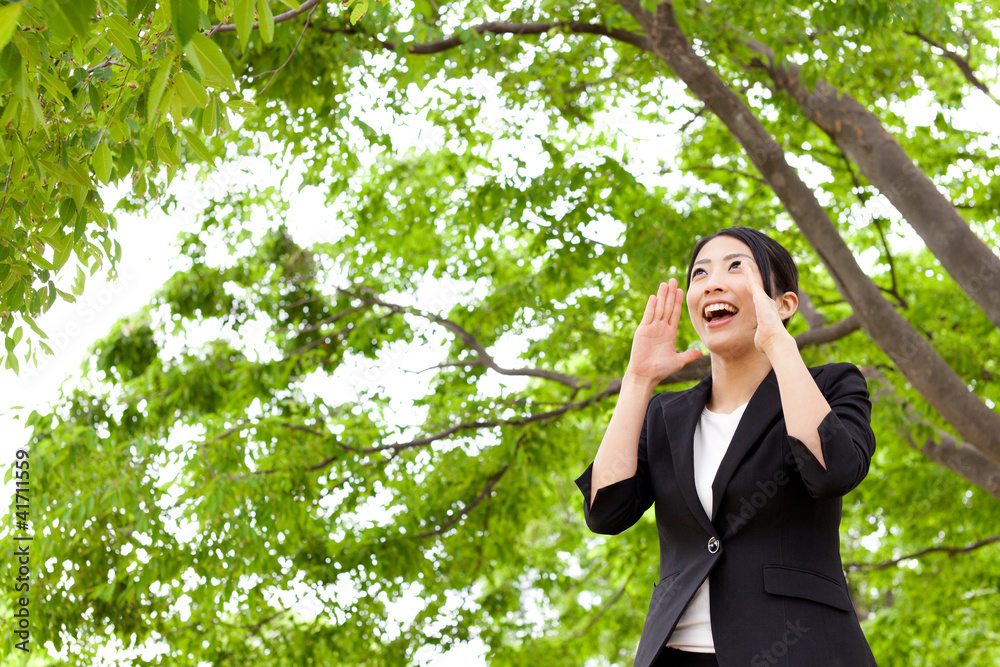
[729, 256]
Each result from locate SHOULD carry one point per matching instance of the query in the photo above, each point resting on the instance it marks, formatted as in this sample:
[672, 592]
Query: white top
[712, 436]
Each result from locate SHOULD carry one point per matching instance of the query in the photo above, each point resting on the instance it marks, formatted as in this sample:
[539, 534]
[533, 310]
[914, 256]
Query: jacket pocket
[806, 584]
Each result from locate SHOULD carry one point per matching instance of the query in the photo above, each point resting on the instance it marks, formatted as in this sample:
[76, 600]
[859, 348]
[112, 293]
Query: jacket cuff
[845, 467]
[609, 502]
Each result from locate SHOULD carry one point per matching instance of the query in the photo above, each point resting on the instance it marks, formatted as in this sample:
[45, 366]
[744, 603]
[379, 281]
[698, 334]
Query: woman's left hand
[770, 330]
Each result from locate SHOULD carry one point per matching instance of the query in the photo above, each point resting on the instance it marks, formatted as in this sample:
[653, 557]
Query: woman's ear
[787, 304]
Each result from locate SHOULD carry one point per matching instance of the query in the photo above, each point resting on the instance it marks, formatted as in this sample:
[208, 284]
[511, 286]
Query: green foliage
[253, 502]
[88, 99]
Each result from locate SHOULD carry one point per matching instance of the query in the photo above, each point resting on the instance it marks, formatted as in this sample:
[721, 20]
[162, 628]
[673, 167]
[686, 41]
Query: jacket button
[713, 545]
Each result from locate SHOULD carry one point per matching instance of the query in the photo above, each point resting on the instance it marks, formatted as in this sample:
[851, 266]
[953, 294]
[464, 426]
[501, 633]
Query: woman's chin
[721, 344]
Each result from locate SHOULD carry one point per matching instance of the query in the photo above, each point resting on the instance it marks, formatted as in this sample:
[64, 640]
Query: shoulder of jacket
[665, 398]
[830, 375]
[834, 370]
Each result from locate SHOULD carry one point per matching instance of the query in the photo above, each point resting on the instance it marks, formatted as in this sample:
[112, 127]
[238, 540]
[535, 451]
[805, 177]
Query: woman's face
[719, 300]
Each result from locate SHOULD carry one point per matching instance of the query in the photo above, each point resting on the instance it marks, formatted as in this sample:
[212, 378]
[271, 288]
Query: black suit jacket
[772, 554]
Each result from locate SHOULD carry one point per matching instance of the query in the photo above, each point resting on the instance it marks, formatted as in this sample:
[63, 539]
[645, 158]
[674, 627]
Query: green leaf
[136, 7]
[8, 281]
[72, 173]
[63, 252]
[197, 145]
[292, 4]
[34, 327]
[9, 14]
[167, 155]
[55, 85]
[210, 63]
[156, 90]
[118, 33]
[78, 14]
[80, 281]
[359, 10]
[210, 118]
[265, 19]
[102, 162]
[184, 16]
[10, 61]
[191, 92]
[243, 18]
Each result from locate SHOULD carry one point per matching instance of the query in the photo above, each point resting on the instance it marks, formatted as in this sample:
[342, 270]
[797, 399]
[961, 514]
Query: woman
[747, 471]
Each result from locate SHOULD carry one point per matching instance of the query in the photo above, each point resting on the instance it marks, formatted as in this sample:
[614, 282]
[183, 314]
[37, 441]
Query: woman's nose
[712, 286]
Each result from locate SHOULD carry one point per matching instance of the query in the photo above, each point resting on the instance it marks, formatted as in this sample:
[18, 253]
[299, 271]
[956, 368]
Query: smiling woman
[747, 470]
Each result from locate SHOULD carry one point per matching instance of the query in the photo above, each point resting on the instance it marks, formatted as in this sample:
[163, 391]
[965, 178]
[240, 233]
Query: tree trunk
[864, 140]
[961, 458]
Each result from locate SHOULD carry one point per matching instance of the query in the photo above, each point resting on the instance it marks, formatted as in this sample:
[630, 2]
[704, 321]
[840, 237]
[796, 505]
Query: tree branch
[959, 457]
[863, 198]
[613, 388]
[813, 317]
[487, 490]
[961, 62]
[505, 28]
[594, 618]
[274, 72]
[858, 567]
[483, 358]
[306, 6]
[253, 631]
[728, 170]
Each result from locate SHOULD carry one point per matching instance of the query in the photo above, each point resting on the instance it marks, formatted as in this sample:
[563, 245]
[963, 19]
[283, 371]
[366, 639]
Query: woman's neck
[735, 380]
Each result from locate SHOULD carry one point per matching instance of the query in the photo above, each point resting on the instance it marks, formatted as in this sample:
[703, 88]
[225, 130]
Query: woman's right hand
[654, 346]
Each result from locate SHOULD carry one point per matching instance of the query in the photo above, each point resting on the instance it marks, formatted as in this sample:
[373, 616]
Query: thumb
[690, 355]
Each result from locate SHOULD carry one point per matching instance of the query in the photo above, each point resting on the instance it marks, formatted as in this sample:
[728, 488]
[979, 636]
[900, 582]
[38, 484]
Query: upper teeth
[716, 307]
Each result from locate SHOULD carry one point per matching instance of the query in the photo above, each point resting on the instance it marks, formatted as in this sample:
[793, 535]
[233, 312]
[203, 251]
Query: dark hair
[777, 267]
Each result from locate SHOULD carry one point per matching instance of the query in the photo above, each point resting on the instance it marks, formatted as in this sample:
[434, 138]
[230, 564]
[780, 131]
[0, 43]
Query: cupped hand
[770, 330]
[654, 346]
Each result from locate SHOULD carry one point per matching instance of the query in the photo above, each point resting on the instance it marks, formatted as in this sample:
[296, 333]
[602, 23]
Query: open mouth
[717, 314]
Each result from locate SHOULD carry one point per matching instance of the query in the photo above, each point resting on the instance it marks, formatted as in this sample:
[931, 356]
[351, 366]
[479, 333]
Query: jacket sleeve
[845, 435]
[619, 505]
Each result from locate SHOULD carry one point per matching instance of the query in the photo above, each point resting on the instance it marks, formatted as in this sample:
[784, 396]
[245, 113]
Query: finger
[691, 355]
[647, 315]
[748, 271]
[675, 317]
[660, 301]
[671, 298]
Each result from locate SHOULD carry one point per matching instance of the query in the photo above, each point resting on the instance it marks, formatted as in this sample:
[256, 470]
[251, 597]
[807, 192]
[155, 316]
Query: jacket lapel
[681, 416]
[760, 414]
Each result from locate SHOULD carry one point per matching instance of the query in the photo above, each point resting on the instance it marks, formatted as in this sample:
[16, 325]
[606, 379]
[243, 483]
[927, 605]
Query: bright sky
[149, 259]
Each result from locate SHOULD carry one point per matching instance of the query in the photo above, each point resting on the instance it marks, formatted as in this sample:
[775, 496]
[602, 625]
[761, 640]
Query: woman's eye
[736, 263]
[697, 271]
